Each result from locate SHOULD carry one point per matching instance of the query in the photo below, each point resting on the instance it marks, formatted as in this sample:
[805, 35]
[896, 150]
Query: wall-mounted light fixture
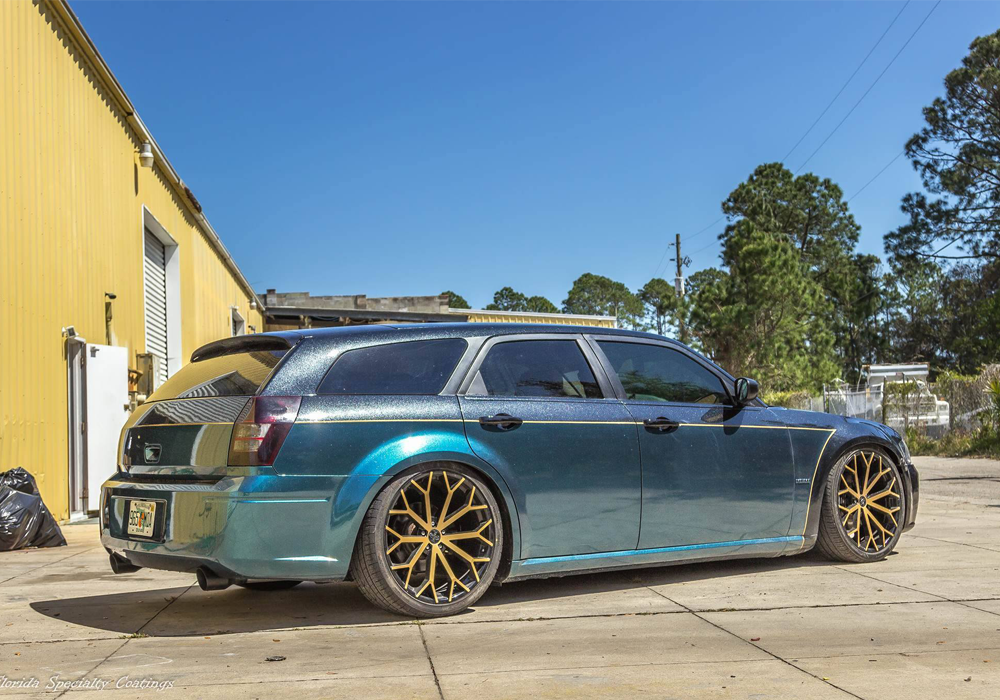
[253, 304]
[146, 155]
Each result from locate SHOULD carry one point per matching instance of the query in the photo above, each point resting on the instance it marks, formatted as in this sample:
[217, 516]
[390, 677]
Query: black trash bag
[24, 519]
[19, 480]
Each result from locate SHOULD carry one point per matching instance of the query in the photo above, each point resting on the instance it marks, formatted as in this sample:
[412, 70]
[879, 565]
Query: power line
[870, 87]
[898, 155]
[705, 247]
[686, 238]
[851, 111]
[844, 86]
[695, 235]
[656, 271]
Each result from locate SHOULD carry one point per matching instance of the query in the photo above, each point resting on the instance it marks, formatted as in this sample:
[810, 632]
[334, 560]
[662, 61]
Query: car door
[540, 409]
[711, 472]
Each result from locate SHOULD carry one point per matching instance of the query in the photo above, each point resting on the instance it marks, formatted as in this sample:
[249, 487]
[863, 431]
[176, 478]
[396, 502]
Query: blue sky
[408, 148]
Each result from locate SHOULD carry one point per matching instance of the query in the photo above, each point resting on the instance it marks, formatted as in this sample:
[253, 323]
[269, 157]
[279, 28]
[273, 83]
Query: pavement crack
[887, 583]
[169, 603]
[50, 563]
[423, 640]
[757, 646]
[962, 544]
[129, 638]
[97, 665]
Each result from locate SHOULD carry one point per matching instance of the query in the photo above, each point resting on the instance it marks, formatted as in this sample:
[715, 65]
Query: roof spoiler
[241, 343]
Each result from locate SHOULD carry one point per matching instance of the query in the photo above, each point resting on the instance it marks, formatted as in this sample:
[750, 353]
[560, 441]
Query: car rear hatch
[185, 428]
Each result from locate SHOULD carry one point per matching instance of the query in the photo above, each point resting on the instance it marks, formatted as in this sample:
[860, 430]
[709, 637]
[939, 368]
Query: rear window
[417, 367]
[237, 374]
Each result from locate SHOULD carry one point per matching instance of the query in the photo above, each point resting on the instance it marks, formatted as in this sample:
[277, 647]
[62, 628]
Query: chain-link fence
[951, 403]
[968, 397]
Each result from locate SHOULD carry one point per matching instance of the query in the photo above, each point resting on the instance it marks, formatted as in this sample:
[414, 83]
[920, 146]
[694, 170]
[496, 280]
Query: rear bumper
[261, 526]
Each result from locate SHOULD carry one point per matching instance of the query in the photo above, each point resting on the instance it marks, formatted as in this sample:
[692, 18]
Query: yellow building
[490, 316]
[293, 310]
[107, 263]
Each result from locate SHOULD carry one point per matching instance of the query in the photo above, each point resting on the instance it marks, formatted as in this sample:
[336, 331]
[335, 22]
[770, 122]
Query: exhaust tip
[121, 565]
[208, 580]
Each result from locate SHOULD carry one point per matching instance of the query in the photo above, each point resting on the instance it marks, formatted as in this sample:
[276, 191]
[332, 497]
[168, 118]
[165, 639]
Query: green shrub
[956, 443]
[787, 399]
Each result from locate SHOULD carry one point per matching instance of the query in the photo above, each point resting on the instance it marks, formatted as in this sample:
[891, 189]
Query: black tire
[268, 585]
[846, 532]
[377, 549]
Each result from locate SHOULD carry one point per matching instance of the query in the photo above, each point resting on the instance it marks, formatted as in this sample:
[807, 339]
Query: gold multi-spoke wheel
[430, 544]
[863, 508]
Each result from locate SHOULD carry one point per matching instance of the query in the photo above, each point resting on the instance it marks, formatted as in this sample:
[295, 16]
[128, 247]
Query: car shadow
[188, 611]
[527, 590]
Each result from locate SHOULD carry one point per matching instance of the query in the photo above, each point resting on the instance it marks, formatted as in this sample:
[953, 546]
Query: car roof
[455, 330]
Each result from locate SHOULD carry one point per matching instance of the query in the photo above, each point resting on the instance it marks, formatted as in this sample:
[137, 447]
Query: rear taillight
[260, 430]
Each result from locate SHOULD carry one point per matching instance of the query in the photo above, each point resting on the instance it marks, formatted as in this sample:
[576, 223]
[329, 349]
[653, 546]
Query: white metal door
[154, 270]
[106, 389]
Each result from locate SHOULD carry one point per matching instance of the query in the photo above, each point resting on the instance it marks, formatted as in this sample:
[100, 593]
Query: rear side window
[417, 367]
[655, 373]
[546, 368]
[236, 374]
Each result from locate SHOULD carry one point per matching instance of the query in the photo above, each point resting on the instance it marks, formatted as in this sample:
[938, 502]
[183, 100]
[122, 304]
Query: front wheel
[430, 543]
[863, 507]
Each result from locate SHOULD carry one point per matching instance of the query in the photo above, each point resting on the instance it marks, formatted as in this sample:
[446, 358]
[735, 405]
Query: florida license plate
[141, 515]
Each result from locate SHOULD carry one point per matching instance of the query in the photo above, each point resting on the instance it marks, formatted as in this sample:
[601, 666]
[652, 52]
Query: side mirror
[746, 390]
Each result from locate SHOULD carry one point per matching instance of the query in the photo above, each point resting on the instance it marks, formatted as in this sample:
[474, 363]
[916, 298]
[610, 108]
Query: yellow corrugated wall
[71, 198]
[486, 316]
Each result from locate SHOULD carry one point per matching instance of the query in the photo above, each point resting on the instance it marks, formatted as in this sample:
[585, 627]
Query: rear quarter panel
[371, 439]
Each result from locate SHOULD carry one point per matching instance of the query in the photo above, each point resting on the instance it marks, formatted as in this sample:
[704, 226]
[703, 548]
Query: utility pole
[679, 286]
[679, 279]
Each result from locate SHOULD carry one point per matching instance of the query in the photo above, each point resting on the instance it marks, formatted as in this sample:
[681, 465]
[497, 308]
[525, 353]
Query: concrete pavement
[925, 623]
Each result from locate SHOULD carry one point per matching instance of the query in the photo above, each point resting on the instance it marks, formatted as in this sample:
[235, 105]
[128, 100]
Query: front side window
[540, 368]
[416, 367]
[655, 373]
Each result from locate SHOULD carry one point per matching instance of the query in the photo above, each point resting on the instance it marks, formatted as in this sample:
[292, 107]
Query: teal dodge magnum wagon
[426, 462]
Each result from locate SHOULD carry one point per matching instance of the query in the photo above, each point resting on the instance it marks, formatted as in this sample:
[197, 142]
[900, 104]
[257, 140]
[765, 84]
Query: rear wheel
[268, 585]
[430, 543]
[863, 507]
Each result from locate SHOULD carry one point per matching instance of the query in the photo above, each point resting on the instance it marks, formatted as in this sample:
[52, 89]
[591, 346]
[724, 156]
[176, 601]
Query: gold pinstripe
[561, 422]
[812, 482]
[177, 425]
[385, 420]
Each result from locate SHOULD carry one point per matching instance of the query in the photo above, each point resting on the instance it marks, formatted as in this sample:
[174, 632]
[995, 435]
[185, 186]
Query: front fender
[848, 435]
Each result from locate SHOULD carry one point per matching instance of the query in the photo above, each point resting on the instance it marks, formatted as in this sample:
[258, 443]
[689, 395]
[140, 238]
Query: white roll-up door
[154, 272]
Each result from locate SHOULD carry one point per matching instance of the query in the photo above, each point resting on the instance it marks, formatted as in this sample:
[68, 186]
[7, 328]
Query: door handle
[660, 424]
[501, 421]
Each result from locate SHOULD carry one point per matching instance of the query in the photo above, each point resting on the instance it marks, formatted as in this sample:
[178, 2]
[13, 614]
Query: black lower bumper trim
[171, 563]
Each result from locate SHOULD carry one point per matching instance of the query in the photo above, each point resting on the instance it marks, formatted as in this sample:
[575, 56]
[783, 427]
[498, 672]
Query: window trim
[727, 381]
[607, 389]
[444, 389]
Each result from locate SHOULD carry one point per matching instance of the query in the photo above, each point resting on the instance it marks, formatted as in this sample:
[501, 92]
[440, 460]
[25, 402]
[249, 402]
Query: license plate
[141, 515]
